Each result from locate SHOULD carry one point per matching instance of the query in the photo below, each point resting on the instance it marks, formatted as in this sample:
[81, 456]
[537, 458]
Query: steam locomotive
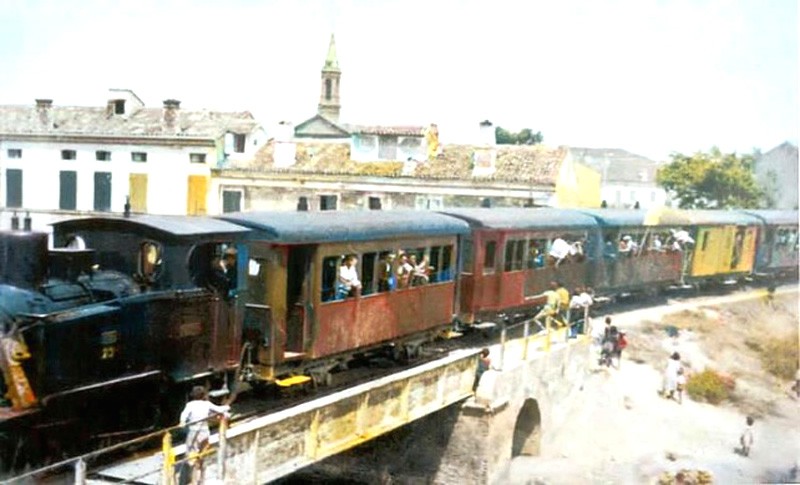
[102, 334]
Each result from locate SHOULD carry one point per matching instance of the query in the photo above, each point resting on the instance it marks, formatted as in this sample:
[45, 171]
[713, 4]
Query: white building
[63, 160]
[627, 180]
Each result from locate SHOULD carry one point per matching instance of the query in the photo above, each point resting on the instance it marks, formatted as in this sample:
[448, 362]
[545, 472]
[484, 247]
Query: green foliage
[710, 386]
[526, 136]
[712, 180]
[779, 356]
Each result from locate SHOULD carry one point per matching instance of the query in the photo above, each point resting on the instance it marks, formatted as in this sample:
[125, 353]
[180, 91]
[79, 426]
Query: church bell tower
[329, 105]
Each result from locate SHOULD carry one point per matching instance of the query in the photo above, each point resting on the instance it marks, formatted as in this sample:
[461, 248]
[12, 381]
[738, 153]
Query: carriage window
[537, 249]
[368, 273]
[330, 272]
[489, 258]
[256, 280]
[150, 261]
[434, 261]
[386, 278]
[510, 250]
[75, 242]
[515, 251]
[738, 246]
[446, 273]
[467, 252]
[609, 247]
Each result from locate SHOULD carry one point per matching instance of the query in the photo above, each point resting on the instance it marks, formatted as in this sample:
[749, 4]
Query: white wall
[167, 170]
[648, 197]
[366, 148]
[253, 142]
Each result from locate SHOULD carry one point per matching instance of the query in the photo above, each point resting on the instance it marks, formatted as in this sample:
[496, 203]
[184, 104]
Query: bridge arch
[527, 430]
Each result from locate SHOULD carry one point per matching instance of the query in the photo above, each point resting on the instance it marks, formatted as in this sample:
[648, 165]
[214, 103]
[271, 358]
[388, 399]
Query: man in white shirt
[348, 277]
[195, 415]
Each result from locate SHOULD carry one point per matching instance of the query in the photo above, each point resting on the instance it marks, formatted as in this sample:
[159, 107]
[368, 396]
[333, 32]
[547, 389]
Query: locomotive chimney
[127, 212]
[27, 221]
[15, 222]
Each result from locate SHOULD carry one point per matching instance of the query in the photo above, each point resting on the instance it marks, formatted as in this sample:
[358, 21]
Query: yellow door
[198, 192]
[138, 192]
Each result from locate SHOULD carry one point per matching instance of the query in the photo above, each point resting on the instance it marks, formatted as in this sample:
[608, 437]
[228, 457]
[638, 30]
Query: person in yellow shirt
[563, 302]
[551, 307]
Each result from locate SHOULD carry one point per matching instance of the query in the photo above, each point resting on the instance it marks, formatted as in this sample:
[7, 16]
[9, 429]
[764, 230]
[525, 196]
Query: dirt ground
[625, 432]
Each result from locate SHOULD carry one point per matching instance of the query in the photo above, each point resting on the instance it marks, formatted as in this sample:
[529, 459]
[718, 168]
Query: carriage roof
[332, 226]
[776, 217]
[171, 226]
[519, 218]
[678, 217]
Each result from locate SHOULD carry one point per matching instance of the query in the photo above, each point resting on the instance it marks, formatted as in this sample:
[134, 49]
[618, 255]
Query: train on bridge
[102, 333]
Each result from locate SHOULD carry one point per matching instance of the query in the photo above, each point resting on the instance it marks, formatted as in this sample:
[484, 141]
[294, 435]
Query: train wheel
[321, 378]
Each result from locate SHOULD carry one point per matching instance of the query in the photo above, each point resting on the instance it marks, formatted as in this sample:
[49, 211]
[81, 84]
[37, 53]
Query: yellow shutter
[198, 191]
[138, 192]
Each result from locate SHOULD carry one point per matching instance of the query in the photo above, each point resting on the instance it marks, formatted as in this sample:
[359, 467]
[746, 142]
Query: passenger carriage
[777, 252]
[512, 254]
[296, 319]
[638, 250]
[724, 242]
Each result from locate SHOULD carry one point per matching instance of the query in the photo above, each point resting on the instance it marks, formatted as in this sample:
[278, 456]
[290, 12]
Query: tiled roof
[145, 122]
[528, 164]
[616, 165]
[386, 130]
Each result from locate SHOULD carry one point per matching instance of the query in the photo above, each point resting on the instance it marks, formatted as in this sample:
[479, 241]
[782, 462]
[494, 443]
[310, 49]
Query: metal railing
[167, 469]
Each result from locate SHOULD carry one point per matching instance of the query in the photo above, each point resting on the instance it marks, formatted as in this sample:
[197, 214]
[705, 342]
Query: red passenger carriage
[512, 254]
[298, 320]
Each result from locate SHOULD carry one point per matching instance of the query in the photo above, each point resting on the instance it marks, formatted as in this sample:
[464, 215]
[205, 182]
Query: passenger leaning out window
[349, 284]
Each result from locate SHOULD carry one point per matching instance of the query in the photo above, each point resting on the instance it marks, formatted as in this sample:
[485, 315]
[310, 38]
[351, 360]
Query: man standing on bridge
[195, 415]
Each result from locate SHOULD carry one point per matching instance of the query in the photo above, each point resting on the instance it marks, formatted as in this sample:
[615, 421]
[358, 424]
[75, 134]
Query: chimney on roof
[487, 135]
[44, 108]
[484, 156]
[171, 107]
[284, 150]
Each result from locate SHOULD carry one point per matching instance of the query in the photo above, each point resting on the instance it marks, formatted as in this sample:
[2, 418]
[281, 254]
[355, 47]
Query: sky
[649, 76]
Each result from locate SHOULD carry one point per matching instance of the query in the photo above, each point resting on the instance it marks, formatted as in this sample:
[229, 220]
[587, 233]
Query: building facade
[325, 164]
[628, 180]
[65, 160]
[777, 173]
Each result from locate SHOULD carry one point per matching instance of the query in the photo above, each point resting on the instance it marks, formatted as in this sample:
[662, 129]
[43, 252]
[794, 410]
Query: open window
[489, 257]
[75, 242]
[150, 262]
[537, 253]
[214, 265]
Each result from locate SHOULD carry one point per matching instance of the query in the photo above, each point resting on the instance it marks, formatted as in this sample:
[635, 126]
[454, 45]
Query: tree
[712, 180]
[526, 136]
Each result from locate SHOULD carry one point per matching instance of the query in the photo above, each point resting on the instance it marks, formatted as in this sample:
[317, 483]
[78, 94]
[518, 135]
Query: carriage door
[297, 300]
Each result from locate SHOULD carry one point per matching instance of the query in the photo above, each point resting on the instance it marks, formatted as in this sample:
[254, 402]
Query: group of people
[565, 308]
[612, 343]
[395, 271]
[627, 245]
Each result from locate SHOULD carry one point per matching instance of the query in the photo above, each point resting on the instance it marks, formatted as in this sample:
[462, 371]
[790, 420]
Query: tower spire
[329, 104]
[331, 62]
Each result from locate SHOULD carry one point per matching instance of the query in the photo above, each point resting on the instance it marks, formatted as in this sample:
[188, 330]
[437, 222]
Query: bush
[710, 386]
[779, 356]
